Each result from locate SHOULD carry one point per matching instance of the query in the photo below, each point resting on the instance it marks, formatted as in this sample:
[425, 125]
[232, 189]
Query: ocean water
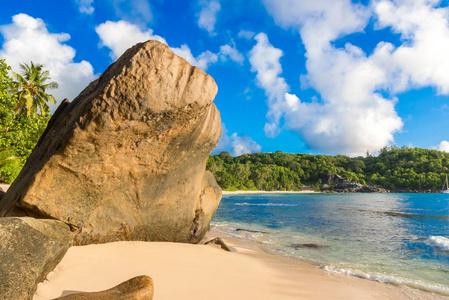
[393, 238]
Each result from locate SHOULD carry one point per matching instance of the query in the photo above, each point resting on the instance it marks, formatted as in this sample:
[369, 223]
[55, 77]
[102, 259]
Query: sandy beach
[186, 271]
[266, 192]
[4, 186]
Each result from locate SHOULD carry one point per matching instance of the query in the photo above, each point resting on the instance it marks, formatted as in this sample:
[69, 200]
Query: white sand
[184, 271]
[4, 186]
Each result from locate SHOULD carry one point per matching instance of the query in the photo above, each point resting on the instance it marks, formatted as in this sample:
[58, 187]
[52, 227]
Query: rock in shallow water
[252, 231]
[137, 288]
[308, 246]
[126, 159]
[29, 250]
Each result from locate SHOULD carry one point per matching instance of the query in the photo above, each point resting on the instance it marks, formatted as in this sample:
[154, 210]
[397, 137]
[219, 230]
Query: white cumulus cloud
[320, 21]
[444, 146]
[236, 144]
[208, 15]
[243, 144]
[27, 39]
[264, 59]
[201, 61]
[356, 110]
[121, 35]
[229, 52]
[422, 59]
[246, 34]
[85, 6]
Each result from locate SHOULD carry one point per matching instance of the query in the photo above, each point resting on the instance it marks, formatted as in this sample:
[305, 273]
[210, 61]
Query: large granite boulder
[29, 250]
[137, 288]
[126, 159]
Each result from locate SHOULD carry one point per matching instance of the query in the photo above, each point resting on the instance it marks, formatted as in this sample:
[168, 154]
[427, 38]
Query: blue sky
[324, 76]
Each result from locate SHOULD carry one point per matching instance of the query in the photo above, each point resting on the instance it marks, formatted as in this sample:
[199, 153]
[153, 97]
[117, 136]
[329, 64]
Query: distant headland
[395, 170]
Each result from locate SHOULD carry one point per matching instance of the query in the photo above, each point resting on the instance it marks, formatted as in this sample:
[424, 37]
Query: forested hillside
[394, 168]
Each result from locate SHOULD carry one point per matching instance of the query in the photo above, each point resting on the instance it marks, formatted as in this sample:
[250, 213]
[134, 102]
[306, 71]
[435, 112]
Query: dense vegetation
[24, 115]
[393, 168]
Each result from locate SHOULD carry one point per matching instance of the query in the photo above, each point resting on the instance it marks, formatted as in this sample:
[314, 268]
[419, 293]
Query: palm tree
[6, 156]
[31, 89]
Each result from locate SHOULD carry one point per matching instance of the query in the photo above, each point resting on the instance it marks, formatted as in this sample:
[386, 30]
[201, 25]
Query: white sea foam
[360, 274]
[265, 204]
[395, 280]
[441, 242]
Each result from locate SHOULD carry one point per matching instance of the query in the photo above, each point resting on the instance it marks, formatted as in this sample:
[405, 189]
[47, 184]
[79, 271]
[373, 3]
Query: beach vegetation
[394, 168]
[30, 90]
[21, 126]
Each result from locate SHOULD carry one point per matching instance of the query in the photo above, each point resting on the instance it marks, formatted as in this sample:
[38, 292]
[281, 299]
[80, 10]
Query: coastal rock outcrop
[137, 288]
[126, 159]
[29, 250]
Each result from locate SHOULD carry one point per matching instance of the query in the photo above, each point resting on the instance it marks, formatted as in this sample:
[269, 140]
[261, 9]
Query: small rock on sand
[137, 288]
[220, 242]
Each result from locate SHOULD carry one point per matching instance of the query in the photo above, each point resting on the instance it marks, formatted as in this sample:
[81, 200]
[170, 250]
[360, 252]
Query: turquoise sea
[393, 238]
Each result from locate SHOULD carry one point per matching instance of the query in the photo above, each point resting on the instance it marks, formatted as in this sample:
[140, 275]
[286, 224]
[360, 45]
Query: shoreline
[5, 187]
[324, 192]
[187, 271]
[387, 290]
[267, 192]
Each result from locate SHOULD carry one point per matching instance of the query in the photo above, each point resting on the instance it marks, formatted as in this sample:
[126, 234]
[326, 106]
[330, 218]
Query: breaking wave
[395, 280]
[440, 242]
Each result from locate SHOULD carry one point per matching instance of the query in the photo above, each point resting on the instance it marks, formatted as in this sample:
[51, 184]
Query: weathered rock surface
[29, 250]
[126, 159]
[218, 242]
[137, 288]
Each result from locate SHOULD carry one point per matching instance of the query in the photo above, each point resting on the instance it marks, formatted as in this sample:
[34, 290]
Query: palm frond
[30, 88]
[6, 156]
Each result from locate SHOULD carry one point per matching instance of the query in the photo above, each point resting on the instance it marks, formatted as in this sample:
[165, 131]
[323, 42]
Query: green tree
[395, 168]
[6, 157]
[19, 133]
[30, 87]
